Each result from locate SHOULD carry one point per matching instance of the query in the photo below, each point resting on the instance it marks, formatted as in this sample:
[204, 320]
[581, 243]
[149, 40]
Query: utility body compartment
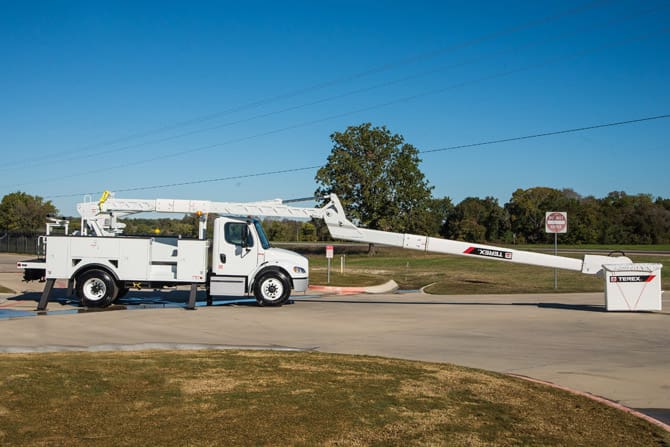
[129, 258]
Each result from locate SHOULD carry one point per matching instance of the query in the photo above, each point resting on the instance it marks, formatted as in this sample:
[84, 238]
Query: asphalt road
[566, 339]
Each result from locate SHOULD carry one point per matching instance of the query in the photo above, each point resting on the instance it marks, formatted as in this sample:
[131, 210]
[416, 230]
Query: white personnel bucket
[633, 287]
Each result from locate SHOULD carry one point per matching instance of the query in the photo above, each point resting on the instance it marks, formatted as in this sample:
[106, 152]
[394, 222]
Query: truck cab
[243, 261]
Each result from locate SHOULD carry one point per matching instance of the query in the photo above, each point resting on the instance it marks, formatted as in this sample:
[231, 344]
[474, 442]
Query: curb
[423, 289]
[599, 399]
[388, 287]
[111, 347]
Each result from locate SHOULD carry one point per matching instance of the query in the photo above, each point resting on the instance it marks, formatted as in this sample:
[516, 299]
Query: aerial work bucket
[633, 287]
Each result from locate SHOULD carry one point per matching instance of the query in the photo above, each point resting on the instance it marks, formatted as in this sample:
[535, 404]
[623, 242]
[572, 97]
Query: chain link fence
[18, 243]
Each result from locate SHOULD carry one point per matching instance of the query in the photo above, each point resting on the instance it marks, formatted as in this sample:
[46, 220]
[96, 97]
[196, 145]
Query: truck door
[233, 256]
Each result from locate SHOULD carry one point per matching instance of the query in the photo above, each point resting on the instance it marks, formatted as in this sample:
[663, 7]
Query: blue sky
[129, 95]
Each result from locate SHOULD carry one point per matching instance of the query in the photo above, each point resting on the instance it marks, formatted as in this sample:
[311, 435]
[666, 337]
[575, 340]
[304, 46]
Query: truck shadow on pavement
[60, 303]
[541, 305]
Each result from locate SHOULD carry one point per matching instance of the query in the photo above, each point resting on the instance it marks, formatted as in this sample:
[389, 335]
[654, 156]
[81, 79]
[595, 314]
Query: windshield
[261, 235]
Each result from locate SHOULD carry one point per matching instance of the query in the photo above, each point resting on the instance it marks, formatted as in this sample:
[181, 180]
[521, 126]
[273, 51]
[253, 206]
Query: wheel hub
[95, 289]
[271, 289]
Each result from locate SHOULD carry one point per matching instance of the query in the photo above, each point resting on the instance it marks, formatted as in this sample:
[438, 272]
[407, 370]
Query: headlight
[297, 269]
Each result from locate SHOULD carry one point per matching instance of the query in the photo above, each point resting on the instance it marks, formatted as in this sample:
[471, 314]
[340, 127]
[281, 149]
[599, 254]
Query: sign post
[329, 256]
[556, 222]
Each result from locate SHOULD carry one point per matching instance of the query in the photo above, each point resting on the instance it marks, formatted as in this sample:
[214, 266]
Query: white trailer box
[633, 287]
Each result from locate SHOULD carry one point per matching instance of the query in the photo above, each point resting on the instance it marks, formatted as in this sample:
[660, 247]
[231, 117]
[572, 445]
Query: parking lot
[567, 339]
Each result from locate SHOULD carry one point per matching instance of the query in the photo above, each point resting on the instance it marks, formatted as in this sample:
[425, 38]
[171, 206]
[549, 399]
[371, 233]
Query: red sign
[329, 251]
[556, 222]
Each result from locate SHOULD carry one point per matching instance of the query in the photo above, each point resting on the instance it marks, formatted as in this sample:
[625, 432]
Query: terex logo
[488, 252]
[632, 278]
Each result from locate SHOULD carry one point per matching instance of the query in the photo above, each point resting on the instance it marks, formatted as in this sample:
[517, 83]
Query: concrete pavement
[566, 339]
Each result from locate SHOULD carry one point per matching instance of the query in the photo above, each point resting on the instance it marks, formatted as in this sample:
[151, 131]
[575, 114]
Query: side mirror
[245, 236]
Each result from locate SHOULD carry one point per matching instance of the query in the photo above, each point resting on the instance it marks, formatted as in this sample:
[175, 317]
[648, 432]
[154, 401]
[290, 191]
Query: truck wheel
[272, 289]
[96, 288]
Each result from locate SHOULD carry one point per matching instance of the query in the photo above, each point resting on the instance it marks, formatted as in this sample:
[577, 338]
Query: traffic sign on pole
[329, 255]
[556, 222]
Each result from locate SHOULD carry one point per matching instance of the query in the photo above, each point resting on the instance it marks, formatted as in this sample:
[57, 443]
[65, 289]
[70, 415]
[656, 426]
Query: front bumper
[300, 284]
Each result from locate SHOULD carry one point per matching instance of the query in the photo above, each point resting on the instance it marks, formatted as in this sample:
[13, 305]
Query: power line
[547, 134]
[443, 149]
[532, 44]
[76, 154]
[540, 64]
[195, 182]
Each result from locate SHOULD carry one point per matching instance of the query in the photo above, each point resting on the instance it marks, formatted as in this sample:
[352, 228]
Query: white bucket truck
[102, 264]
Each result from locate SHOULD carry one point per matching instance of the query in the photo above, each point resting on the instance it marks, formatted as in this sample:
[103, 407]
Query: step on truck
[101, 264]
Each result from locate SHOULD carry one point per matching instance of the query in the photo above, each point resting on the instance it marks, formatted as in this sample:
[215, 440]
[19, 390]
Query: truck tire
[272, 289]
[96, 288]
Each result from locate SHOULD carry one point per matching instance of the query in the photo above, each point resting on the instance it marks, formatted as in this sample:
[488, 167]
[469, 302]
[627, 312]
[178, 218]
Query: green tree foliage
[634, 219]
[431, 219]
[291, 230]
[618, 218]
[184, 227]
[527, 210]
[584, 221]
[281, 230]
[477, 220]
[308, 232]
[377, 177]
[21, 212]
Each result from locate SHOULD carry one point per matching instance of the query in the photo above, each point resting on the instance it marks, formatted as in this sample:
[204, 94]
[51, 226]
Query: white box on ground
[633, 287]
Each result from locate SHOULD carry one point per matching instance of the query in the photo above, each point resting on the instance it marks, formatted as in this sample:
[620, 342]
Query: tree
[528, 207]
[634, 219]
[187, 226]
[663, 203]
[584, 222]
[434, 216]
[308, 232]
[281, 230]
[477, 220]
[377, 177]
[23, 212]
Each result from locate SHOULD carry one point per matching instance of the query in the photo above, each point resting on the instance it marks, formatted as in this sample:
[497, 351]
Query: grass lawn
[204, 398]
[447, 274]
